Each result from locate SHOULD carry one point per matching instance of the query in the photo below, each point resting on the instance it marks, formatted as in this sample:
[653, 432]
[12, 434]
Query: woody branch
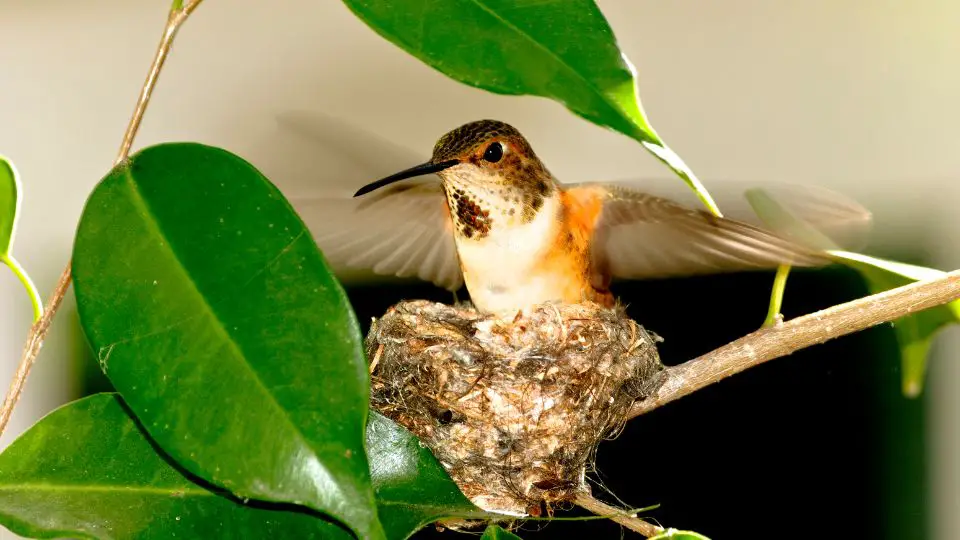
[790, 336]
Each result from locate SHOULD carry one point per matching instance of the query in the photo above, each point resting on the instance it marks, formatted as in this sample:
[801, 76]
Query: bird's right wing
[640, 235]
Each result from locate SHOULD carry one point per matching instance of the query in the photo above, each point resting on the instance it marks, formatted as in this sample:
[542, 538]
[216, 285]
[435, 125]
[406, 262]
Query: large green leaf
[412, 487]
[914, 332]
[213, 313]
[565, 51]
[87, 470]
[9, 209]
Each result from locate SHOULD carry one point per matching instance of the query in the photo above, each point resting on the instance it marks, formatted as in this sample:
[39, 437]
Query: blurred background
[858, 96]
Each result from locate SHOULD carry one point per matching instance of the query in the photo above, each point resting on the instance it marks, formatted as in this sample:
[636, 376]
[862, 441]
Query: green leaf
[412, 488]
[673, 534]
[495, 532]
[215, 316]
[9, 204]
[87, 470]
[9, 210]
[914, 332]
[565, 51]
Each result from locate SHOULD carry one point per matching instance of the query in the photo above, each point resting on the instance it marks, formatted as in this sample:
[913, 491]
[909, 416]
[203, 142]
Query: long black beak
[419, 170]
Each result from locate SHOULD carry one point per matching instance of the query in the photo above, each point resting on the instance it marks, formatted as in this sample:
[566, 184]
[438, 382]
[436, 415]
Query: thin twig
[175, 20]
[785, 338]
[30, 350]
[630, 521]
[38, 332]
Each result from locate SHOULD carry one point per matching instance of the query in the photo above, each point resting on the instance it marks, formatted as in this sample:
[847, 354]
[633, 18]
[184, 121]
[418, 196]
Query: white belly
[498, 269]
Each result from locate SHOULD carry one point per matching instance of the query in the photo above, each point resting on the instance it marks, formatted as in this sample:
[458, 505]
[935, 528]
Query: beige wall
[857, 95]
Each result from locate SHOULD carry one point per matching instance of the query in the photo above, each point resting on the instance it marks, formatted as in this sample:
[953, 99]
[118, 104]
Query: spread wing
[841, 220]
[405, 232]
[639, 235]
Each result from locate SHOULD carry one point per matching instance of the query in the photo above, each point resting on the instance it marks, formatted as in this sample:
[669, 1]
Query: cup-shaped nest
[513, 409]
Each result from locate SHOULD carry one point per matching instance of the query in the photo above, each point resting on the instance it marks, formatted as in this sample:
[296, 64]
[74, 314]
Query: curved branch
[785, 338]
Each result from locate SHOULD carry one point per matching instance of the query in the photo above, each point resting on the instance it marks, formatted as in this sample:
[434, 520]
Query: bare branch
[785, 338]
[38, 332]
[31, 348]
[178, 14]
[630, 521]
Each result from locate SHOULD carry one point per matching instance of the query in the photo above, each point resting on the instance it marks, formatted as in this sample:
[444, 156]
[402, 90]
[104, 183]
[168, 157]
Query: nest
[513, 409]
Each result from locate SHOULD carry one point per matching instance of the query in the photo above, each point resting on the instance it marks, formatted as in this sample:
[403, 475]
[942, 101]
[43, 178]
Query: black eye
[493, 153]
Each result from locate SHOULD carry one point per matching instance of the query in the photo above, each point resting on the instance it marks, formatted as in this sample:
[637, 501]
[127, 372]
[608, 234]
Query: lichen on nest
[513, 409]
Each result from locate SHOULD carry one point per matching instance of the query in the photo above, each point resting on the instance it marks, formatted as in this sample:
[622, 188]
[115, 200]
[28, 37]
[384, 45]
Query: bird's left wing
[639, 236]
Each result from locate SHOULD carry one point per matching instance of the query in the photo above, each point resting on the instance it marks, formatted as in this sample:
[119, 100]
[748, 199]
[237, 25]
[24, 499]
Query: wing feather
[404, 231]
[640, 236]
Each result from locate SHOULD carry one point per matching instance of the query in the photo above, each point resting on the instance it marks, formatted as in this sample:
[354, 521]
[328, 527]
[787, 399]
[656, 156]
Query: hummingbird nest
[513, 409]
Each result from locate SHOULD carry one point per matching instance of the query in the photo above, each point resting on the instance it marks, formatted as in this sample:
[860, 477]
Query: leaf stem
[630, 521]
[178, 14]
[783, 339]
[27, 284]
[30, 350]
[38, 332]
[776, 296]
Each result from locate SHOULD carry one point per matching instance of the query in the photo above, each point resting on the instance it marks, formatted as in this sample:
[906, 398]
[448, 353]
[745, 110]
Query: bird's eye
[493, 153]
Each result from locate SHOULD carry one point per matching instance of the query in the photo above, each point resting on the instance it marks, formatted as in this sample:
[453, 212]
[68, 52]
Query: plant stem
[178, 14]
[30, 350]
[783, 339]
[27, 284]
[776, 296]
[38, 332]
[632, 522]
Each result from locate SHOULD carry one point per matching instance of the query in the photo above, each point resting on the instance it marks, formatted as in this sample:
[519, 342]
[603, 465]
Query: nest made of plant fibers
[513, 409]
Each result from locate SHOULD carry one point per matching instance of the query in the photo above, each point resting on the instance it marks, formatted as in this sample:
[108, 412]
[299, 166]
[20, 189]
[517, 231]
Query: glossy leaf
[914, 332]
[9, 204]
[565, 51]
[87, 470]
[9, 210]
[673, 534]
[495, 532]
[412, 488]
[213, 313]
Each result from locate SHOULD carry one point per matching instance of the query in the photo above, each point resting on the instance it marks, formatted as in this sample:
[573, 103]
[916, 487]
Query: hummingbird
[501, 224]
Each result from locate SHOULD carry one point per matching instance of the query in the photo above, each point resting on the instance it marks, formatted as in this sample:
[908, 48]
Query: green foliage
[9, 211]
[87, 470]
[565, 51]
[9, 204]
[213, 313]
[90, 470]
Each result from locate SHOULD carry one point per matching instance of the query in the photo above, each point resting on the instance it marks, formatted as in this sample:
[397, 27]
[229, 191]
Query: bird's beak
[419, 170]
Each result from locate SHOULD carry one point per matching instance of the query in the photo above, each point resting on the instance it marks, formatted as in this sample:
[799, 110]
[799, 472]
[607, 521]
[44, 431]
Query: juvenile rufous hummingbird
[500, 223]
